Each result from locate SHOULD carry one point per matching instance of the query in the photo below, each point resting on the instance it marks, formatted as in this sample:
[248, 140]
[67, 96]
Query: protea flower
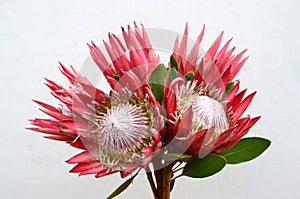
[203, 116]
[137, 65]
[188, 112]
[119, 131]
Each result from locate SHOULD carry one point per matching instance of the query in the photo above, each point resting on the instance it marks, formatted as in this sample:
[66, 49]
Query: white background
[34, 35]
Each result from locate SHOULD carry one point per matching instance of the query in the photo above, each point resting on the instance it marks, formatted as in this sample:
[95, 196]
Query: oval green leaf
[204, 167]
[172, 74]
[173, 62]
[189, 76]
[117, 77]
[246, 150]
[175, 156]
[122, 187]
[229, 87]
[156, 82]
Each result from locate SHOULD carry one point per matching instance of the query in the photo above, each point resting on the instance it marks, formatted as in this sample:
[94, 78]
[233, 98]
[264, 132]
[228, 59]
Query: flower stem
[151, 182]
[167, 174]
[177, 170]
[177, 166]
[158, 177]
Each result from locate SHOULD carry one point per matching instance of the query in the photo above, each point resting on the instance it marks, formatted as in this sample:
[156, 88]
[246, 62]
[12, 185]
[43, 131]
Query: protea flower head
[203, 105]
[119, 131]
[191, 111]
[133, 62]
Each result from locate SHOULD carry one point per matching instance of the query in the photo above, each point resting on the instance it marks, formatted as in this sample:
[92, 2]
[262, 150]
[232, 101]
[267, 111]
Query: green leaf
[175, 156]
[204, 167]
[172, 74]
[229, 87]
[189, 76]
[172, 184]
[157, 80]
[117, 77]
[173, 62]
[246, 150]
[122, 187]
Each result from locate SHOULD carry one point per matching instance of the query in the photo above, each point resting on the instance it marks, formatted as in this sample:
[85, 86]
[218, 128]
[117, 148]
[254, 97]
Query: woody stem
[167, 174]
[151, 182]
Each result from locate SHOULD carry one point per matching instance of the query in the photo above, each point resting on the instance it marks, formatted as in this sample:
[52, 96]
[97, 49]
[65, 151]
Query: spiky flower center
[121, 133]
[208, 111]
[122, 128]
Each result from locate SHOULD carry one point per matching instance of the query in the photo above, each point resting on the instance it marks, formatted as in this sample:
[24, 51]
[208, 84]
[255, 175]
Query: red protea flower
[136, 66]
[203, 116]
[119, 131]
[188, 112]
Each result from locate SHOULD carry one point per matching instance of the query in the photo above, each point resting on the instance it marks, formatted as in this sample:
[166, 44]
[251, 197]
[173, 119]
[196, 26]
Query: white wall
[34, 35]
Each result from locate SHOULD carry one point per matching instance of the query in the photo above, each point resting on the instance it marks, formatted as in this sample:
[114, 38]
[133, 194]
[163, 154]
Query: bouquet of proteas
[184, 118]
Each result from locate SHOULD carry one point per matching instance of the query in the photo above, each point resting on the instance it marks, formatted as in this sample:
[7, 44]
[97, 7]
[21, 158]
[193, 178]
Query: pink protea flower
[135, 67]
[202, 116]
[190, 112]
[119, 131]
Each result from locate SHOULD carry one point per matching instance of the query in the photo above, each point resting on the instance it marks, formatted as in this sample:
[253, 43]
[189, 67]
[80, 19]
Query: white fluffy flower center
[208, 112]
[122, 128]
